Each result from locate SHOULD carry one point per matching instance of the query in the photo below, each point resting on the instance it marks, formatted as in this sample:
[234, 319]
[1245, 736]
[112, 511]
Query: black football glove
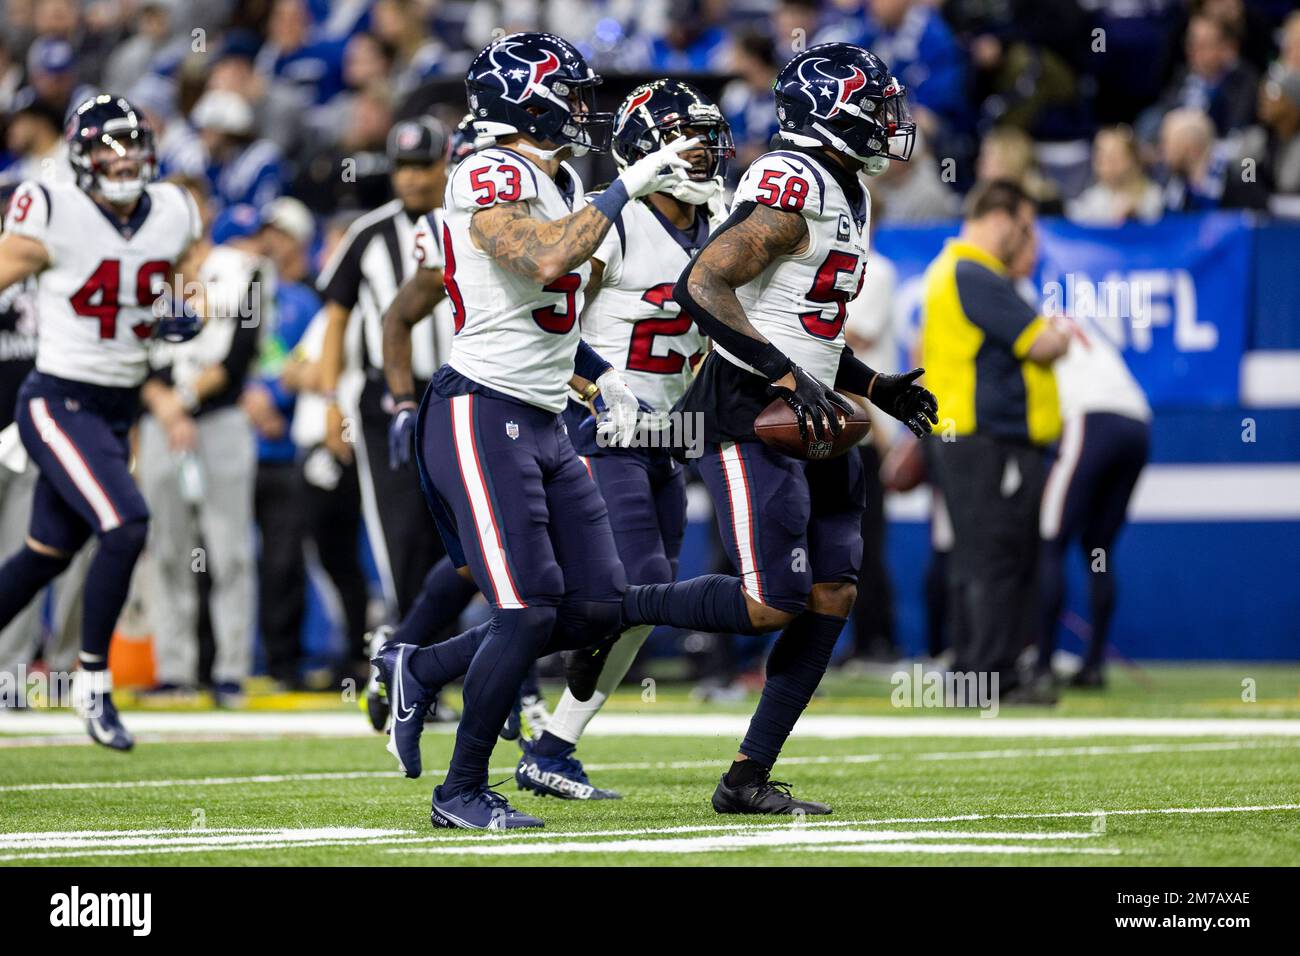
[912, 404]
[816, 405]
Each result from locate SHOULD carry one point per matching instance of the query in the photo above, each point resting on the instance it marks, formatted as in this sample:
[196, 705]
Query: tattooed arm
[751, 240]
[414, 300]
[536, 249]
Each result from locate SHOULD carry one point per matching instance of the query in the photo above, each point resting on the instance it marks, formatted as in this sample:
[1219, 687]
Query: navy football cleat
[92, 698]
[561, 777]
[482, 809]
[408, 700]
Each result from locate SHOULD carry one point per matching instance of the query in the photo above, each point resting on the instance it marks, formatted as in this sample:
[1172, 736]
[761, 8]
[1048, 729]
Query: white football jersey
[511, 334]
[1093, 377]
[94, 301]
[428, 255]
[632, 320]
[799, 302]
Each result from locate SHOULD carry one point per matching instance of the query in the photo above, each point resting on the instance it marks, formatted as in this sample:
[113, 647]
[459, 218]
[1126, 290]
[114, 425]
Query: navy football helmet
[842, 96]
[101, 130]
[659, 112]
[538, 84]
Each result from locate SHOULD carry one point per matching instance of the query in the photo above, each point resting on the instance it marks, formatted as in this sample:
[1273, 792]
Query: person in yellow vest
[988, 357]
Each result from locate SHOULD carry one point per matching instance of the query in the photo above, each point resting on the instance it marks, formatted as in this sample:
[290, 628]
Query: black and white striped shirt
[374, 258]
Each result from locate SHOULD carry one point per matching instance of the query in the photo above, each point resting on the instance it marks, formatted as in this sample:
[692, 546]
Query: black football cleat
[763, 796]
[1092, 678]
[582, 667]
[376, 703]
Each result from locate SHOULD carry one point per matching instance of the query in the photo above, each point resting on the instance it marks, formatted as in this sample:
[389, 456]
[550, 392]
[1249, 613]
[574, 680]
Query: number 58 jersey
[94, 301]
[512, 334]
[799, 302]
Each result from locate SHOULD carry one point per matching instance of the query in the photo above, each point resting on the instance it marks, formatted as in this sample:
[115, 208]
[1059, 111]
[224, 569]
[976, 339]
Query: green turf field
[1027, 787]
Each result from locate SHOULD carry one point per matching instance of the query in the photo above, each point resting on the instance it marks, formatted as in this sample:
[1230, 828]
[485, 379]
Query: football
[776, 426]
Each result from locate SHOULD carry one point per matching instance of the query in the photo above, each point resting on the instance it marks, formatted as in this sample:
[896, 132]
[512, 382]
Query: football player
[448, 586]
[102, 250]
[631, 319]
[770, 290]
[491, 448]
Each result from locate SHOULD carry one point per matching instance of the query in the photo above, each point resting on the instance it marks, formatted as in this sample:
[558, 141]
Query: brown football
[776, 426]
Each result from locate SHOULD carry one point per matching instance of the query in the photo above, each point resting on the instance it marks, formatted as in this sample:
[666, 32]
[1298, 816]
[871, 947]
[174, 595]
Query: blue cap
[236, 222]
[51, 55]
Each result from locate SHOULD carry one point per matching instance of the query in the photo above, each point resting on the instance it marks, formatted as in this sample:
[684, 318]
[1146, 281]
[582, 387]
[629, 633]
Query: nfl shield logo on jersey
[512, 431]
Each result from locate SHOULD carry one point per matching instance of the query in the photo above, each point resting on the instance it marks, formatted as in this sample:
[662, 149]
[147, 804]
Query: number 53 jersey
[512, 334]
[94, 301]
[799, 302]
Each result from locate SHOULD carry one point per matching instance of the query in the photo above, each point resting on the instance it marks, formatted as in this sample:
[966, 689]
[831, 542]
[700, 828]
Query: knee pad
[652, 569]
[126, 540]
[534, 623]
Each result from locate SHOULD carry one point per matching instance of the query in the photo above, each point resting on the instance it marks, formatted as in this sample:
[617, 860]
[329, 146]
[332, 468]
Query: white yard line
[828, 835]
[823, 760]
[894, 821]
[789, 837]
[65, 725]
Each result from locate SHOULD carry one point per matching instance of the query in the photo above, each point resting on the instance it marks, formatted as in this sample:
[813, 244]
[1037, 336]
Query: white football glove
[618, 425]
[650, 173]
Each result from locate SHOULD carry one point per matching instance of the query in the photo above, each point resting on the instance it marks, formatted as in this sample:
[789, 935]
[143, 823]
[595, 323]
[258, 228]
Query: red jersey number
[487, 192]
[640, 356]
[548, 317]
[98, 297]
[823, 290]
[791, 197]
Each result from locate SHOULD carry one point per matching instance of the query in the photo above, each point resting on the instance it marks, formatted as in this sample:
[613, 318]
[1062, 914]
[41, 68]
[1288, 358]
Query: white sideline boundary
[815, 726]
[826, 759]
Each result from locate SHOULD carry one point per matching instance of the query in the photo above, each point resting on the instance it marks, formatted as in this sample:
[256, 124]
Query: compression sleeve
[769, 360]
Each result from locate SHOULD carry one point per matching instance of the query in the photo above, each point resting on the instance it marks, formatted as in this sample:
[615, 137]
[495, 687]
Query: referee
[374, 259]
[988, 357]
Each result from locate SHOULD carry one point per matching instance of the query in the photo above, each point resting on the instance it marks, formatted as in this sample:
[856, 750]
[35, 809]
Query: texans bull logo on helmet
[512, 66]
[825, 89]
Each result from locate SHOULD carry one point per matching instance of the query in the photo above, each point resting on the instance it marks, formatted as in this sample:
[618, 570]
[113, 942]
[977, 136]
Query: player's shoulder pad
[176, 198]
[29, 207]
[489, 177]
[786, 180]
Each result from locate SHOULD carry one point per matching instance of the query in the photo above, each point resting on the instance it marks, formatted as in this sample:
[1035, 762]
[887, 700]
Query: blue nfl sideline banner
[1174, 296]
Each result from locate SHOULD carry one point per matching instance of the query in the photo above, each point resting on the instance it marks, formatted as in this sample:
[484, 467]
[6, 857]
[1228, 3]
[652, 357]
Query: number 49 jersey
[94, 301]
[798, 302]
[512, 334]
[632, 320]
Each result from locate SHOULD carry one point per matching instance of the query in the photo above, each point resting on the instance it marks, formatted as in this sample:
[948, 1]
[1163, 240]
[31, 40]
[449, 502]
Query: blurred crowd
[1106, 109]
[276, 114]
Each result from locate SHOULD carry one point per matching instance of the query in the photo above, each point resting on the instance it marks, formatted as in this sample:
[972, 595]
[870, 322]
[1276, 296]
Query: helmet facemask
[874, 128]
[586, 130]
[704, 122]
[92, 160]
